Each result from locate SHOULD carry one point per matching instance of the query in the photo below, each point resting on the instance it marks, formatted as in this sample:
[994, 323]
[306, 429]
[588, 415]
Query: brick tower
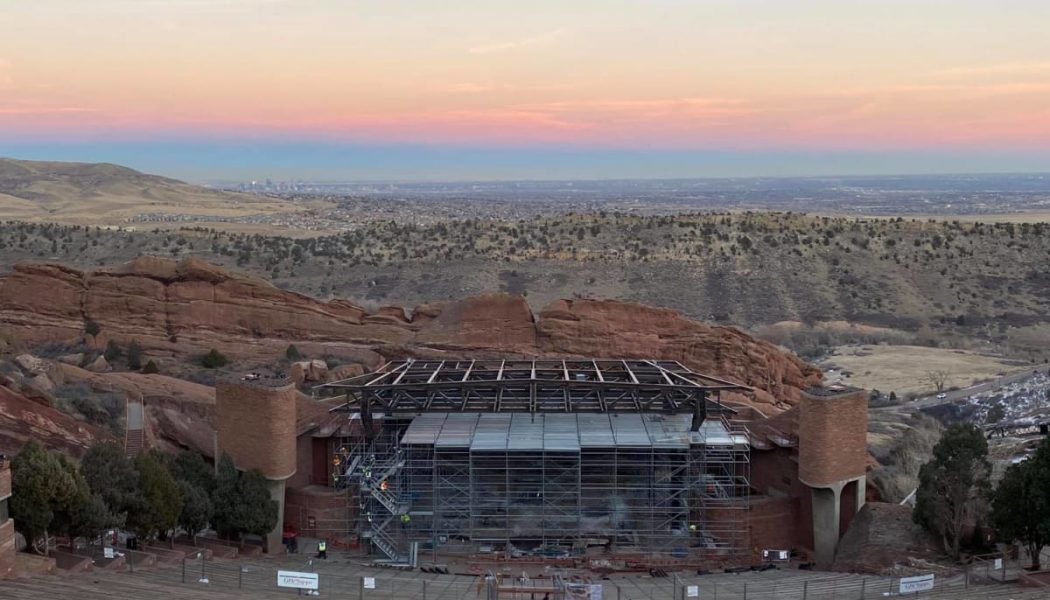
[255, 425]
[832, 457]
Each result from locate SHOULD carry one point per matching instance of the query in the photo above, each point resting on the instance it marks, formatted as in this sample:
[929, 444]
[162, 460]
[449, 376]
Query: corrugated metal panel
[424, 429]
[561, 433]
[713, 433]
[526, 433]
[492, 433]
[595, 431]
[630, 431]
[458, 430]
[668, 431]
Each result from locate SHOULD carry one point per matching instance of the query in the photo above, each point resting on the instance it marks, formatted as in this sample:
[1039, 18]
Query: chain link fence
[982, 580]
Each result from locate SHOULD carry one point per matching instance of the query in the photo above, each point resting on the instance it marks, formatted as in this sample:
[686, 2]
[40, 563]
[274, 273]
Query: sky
[429, 89]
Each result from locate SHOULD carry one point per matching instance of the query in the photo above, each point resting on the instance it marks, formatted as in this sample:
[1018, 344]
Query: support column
[826, 508]
[862, 489]
[273, 539]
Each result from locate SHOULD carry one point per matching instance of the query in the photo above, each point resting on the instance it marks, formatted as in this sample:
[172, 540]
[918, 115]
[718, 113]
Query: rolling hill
[107, 194]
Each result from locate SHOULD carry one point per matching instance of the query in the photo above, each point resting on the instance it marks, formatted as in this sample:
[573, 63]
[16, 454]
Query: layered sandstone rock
[608, 328]
[183, 308]
[22, 419]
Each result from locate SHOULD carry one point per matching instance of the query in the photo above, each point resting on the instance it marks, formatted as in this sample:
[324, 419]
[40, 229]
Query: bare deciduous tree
[936, 378]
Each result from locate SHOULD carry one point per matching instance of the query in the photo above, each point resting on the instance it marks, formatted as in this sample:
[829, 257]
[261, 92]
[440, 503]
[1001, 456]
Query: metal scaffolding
[640, 460]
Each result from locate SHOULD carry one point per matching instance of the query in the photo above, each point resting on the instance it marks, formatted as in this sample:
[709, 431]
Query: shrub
[92, 328]
[150, 368]
[292, 353]
[214, 359]
[134, 356]
[113, 352]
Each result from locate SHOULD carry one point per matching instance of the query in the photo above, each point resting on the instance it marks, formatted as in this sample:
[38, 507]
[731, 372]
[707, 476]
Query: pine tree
[134, 356]
[292, 353]
[258, 510]
[39, 486]
[224, 499]
[953, 485]
[190, 467]
[196, 509]
[1021, 503]
[161, 499]
[110, 474]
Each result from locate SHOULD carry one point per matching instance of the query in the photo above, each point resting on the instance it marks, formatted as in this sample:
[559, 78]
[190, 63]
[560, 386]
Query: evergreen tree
[150, 368]
[224, 499]
[134, 356]
[196, 509]
[292, 353]
[242, 502]
[1021, 503]
[953, 485]
[113, 352]
[110, 474]
[40, 485]
[214, 359]
[161, 500]
[189, 467]
[81, 513]
[258, 510]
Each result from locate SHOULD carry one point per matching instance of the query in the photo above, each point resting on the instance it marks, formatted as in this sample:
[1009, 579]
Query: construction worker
[322, 549]
[405, 519]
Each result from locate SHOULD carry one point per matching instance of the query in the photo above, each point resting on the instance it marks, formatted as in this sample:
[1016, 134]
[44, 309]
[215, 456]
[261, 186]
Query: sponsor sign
[776, 554]
[921, 583]
[583, 591]
[692, 591]
[301, 581]
[370, 583]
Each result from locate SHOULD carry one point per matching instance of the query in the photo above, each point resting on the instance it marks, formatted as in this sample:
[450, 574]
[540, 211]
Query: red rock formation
[182, 308]
[608, 328]
[488, 322]
[22, 419]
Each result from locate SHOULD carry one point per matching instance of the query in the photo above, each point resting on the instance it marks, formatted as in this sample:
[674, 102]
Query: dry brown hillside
[932, 280]
[106, 194]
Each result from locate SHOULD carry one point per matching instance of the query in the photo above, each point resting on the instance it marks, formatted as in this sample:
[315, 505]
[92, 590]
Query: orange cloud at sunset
[747, 74]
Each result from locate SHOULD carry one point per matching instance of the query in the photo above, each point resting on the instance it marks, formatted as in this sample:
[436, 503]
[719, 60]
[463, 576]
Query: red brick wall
[775, 524]
[775, 471]
[332, 511]
[256, 427]
[7, 528]
[832, 438]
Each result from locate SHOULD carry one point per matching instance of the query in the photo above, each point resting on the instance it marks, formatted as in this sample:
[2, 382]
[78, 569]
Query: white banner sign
[921, 583]
[692, 591]
[583, 591]
[370, 583]
[998, 564]
[302, 581]
[107, 552]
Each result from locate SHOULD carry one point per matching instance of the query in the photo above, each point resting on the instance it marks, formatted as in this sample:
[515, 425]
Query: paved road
[963, 393]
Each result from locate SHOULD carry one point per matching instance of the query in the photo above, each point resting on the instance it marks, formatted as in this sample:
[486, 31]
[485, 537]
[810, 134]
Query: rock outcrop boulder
[181, 309]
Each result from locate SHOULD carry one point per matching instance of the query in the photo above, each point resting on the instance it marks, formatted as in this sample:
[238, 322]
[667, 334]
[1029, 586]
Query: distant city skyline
[415, 90]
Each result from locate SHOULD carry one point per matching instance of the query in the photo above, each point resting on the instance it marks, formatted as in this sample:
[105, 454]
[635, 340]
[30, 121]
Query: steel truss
[574, 386]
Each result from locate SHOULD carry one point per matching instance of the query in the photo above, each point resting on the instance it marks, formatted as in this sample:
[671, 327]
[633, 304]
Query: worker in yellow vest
[322, 549]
